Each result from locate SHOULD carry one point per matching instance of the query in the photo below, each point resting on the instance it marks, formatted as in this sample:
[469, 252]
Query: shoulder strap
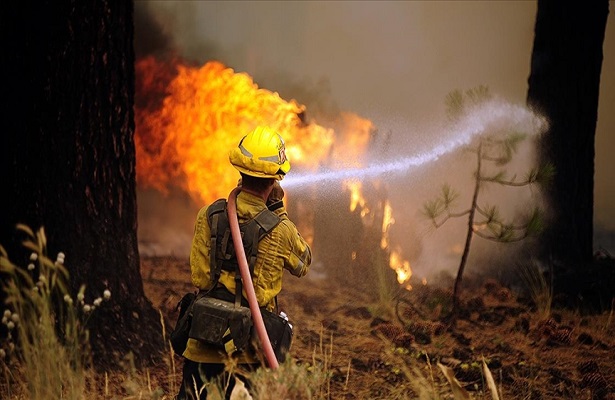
[267, 220]
[252, 232]
[216, 214]
[262, 224]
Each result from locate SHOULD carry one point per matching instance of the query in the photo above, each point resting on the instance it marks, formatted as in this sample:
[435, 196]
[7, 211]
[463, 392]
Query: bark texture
[68, 159]
[564, 86]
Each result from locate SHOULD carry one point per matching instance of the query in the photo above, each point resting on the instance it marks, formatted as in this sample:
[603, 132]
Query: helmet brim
[258, 168]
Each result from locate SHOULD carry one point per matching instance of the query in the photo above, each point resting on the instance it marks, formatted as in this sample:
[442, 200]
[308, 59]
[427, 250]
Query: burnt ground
[371, 354]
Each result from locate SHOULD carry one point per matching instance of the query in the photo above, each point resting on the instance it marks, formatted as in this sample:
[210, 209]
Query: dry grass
[539, 287]
[44, 333]
[45, 351]
[345, 361]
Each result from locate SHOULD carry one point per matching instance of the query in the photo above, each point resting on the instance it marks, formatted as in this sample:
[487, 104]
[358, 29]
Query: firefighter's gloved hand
[277, 193]
[275, 197]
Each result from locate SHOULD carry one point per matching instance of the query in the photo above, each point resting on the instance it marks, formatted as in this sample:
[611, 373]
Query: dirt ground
[372, 354]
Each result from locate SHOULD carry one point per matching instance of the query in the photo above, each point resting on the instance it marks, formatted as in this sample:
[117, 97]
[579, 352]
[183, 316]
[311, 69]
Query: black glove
[276, 196]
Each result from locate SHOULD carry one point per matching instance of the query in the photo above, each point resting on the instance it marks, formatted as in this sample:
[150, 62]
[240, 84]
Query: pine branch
[499, 239]
[491, 213]
[448, 216]
[499, 178]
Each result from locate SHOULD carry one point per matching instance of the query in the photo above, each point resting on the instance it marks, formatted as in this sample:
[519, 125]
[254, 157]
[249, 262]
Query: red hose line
[257, 317]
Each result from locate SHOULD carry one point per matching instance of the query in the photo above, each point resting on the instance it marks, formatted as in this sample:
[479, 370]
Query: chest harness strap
[222, 253]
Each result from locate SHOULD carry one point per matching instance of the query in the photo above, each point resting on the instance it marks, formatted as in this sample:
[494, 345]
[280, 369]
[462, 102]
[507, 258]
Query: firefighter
[261, 161]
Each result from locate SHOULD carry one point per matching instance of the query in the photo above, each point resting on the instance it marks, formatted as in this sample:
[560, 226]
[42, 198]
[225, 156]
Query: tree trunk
[349, 245]
[68, 158]
[564, 86]
[469, 235]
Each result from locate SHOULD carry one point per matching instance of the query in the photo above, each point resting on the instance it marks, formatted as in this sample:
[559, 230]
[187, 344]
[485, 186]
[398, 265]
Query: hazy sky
[391, 62]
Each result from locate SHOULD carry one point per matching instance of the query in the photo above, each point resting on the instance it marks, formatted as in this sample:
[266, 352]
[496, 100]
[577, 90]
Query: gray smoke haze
[391, 62]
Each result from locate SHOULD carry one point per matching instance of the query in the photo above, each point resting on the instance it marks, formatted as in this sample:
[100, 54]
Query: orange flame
[356, 196]
[204, 113]
[387, 221]
[353, 137]
[187, 119]
[396, 261]
[401, 266]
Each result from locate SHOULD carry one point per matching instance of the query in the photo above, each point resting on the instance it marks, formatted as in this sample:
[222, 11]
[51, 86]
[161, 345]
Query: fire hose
[257, 317]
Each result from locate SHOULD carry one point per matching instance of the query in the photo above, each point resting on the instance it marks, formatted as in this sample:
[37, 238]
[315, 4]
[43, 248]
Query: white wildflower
[7, 313]
[4, 320]
[15, 317]
[60, 259]
[42, 279]
[107, 294]
[87, 308]
[80, 296]
[30, 267]
[97, 301]
[10, 325]
[68, 299]
[33, 257]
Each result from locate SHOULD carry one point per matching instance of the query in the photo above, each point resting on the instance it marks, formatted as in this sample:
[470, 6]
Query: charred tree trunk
[349, 246]
[68, 157]
[564, 86]
[337, 234]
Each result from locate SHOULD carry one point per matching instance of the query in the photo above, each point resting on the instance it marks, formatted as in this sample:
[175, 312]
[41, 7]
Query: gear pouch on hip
[280, 333]
[219, 323]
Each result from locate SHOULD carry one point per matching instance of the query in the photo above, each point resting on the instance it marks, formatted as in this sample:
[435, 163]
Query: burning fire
[396, 261]
[387, 221]
[356, 197]
[401, 266]
[184, 140]
[188, 118]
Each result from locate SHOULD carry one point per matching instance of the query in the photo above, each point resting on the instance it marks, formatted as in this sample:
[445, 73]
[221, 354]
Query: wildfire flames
[188, 118]
[185, 140]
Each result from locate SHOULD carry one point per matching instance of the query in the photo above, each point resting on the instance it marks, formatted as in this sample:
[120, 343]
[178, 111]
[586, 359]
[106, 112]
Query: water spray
[476, 123]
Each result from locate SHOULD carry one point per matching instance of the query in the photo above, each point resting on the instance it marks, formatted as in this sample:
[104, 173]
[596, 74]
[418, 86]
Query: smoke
[479, 122]
[439, 250]
[166, 222]
[415, 178]
[151, 35]
[392, 63]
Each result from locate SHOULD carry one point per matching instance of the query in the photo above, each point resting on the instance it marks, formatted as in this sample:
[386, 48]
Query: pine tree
[493, 151]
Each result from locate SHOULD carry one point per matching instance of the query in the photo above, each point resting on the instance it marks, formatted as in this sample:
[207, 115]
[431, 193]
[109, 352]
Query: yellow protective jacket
[282, 248]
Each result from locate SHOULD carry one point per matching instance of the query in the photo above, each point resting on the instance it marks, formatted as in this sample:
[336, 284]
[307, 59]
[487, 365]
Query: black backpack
[222, 256]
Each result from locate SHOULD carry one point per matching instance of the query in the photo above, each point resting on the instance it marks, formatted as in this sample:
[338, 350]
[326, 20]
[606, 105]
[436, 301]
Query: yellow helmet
[261, 153]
